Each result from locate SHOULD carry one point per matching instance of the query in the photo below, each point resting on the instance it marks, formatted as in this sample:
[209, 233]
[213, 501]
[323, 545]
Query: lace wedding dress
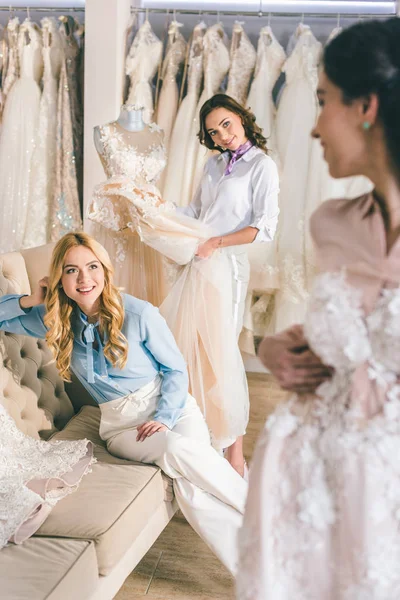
[130, 202]
[243, 60]
[175, 189]
[216, 67]
[264, 276]
[34, 476]
[322, 516]
[43, 166]
[12, 70]
[18, 137]
[169, 94]
[141, 66]
[296, 116]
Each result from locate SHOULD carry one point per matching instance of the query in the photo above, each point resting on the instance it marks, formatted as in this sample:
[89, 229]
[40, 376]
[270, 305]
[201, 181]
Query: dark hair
[365, 59]
[252, 130]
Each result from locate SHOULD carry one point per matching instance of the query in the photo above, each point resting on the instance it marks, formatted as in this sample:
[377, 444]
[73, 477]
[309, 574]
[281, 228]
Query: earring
[366, 125]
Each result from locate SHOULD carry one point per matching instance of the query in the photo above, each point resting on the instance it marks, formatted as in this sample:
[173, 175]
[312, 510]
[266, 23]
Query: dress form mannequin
[131, 149]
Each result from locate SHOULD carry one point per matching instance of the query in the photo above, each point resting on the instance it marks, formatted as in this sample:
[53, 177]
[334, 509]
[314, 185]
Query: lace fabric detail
[334, 499]
[196, 57]
[123, 159]
[216, 59]
[13, 65]
[141, 66]
[304, 60]
[175, 53]
[34, 473]
[243, 60]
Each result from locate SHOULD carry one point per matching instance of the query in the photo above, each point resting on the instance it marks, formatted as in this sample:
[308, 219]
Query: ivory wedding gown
[138, 268]
[43, 167]
[169, 94]
[176, 188]
[11, 73]
[216, 66]
[322, 515]
[18, 137]
[264, 276]
[129, 201]
[243, 60]
[141, 66]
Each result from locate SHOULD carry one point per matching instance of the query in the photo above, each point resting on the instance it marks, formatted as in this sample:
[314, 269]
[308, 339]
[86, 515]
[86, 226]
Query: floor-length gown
[65, 208]
[216, 66]
[264, 277]
[43, 166]
[296, 116]
[18, 138]
[129, 201]
[174, 188]
[169, 94]
[243, 60]
[141, 65]
[138, 269]
[322, 515]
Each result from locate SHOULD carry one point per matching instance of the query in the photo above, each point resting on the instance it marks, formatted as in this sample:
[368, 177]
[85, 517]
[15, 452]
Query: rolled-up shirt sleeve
[158, 339]
[265, 186]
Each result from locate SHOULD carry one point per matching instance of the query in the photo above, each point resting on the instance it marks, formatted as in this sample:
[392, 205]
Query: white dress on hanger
[243, 60]
[174, 189]
[141, 66]
[12, 70]
[216, 66]
[296, 116]
[264, 277]
[43, 167]
[17, 143]
[169, 95]
[130, 202]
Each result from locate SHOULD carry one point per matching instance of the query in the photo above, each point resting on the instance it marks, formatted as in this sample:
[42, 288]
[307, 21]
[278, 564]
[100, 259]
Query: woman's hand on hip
[147, 429]
[208, 248]
[289, 358]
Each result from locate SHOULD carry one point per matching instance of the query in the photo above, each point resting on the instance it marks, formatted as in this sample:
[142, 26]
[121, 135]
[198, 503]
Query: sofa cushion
[51, 569]
[112, 504]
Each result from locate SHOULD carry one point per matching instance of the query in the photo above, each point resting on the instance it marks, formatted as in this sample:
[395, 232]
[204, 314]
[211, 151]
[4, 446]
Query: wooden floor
[180, 566]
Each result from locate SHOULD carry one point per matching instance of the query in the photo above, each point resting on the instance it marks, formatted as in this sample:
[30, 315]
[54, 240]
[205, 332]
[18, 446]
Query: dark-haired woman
[322, 518]
[238, 198]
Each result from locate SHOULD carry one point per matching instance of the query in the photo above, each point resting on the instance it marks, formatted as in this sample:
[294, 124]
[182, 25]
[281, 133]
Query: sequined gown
[176, 184]
[43, 166]
[322, 515]
[18, 138]
[141, 66]
[243, 60]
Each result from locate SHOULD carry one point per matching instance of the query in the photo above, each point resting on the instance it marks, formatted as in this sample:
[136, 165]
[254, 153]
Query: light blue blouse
[152, 350]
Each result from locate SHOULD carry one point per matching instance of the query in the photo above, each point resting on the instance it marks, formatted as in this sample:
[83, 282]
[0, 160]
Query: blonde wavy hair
[59, 307]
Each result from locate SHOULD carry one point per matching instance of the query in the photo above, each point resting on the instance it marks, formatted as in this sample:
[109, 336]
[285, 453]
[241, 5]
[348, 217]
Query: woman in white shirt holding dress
[238, 197]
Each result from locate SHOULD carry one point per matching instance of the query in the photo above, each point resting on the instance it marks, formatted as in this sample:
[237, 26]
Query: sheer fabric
[34, 476]
[205, 336]
[17, 142]
[176, 188]
[322, 516]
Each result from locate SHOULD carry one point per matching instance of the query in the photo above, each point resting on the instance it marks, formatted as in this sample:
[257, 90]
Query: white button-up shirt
[247, 197]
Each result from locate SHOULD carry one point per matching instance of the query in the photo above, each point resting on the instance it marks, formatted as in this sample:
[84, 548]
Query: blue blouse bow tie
[91, 334]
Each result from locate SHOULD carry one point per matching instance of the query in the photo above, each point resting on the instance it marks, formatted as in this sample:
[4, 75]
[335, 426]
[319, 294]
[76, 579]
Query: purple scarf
[236, 154]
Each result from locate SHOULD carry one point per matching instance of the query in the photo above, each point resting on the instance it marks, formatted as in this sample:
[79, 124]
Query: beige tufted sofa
[94, 537]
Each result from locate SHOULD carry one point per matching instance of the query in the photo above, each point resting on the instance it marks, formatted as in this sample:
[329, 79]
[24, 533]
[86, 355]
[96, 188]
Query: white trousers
[240, 282]
[209, 492]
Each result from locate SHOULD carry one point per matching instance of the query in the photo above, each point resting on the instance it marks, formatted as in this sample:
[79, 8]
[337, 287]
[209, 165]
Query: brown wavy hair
[252, 130]
[59, 308]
